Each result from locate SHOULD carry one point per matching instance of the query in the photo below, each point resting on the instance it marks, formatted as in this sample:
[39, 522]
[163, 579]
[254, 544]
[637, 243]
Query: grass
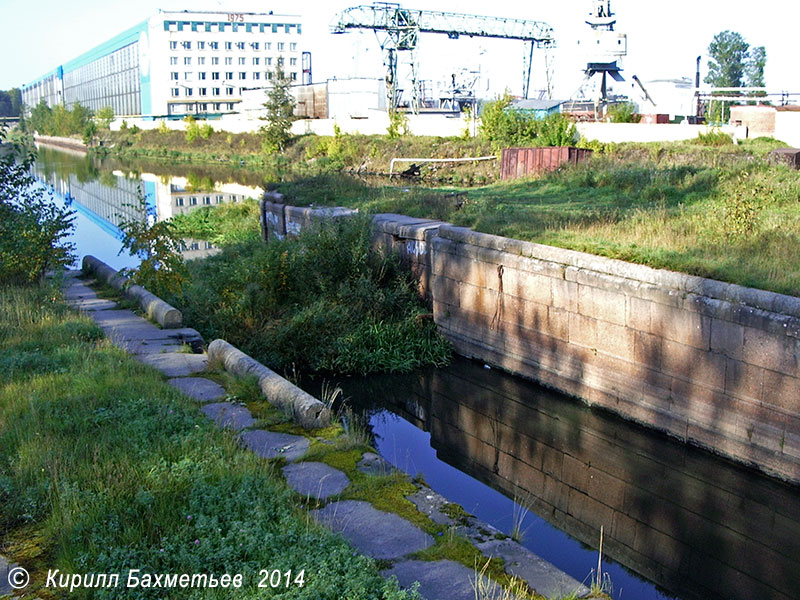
[720, 212]
[105, 468]
[323, 302]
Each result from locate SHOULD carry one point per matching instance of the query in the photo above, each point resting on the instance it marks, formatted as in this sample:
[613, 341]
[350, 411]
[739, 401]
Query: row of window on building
[215, 45]
[242, 60]
[191, 108]
[193, 200]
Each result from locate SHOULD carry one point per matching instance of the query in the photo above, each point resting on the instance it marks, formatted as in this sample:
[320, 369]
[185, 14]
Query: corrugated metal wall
[518, 162]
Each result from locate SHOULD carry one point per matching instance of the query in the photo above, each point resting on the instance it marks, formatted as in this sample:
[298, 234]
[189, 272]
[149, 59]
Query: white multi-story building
[179, 63]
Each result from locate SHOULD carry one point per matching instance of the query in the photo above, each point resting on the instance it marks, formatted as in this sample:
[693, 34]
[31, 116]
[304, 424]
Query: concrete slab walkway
[375, 533]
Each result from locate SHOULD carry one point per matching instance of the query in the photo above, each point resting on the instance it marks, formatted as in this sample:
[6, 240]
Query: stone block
[575, 473]
[529, 286]
[479, 300]
[704, 367]
[683, 326]
[564, 294]
[601, 304]
[727, 338]
[606, 488]
[781, 390]
[558, 323]
[638, 313]
[743, 380]
[647, 350]
[771, 351]
[446, 291]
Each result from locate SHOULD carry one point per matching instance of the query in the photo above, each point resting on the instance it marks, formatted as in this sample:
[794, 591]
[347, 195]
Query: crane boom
[388, 17]
[401, 28]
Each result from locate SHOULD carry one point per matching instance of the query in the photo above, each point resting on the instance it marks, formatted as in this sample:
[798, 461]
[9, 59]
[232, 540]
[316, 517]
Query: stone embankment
[710, 363]
[375, 533]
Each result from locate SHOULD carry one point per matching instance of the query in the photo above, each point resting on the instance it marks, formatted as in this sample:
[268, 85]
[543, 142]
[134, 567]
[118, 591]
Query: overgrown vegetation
[105, 468]
[33, 228]
[503, 127]
[59, 120]
[279, 107]
[319, 303]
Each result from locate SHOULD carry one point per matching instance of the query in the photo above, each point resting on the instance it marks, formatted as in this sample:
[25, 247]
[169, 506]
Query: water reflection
[696, 525]
[107, 193]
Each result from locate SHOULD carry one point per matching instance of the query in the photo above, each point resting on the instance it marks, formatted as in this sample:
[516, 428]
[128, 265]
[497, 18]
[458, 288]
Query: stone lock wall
[709, 363]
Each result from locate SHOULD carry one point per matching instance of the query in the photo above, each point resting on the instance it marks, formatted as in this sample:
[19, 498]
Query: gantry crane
[398, 30]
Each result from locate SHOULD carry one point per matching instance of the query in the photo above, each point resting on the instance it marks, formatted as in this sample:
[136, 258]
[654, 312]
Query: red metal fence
[518, 162]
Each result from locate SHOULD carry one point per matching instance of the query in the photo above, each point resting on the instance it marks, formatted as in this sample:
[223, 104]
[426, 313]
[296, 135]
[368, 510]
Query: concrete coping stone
[770, 301]
[164, 314]
[198, 388]
[308, 411]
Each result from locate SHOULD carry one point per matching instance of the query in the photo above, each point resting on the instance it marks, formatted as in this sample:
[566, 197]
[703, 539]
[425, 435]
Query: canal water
[678, 522]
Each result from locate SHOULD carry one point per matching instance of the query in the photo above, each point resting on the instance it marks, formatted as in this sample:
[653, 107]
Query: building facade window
[201, 75]
[215, 91]
[173, 76]
[202, 45]
[229, 91]
[187, 76]
[228, 75]
[201, 60]
[173, 45]
[267, 45]
[188, 91]
[215, 60]
[214, 45]
[228, 46]
[256, 60]
[202, 92]
[294, 76]
[186, 45]
[173, 60]
[215, 75]
[242, 60]
[280, 46]
[176, 92]
[254, 45]
[187, 60]
[256, 75]
[228, 60]
[242, 76]
[293, 61]
[240, 45]
[293, 46]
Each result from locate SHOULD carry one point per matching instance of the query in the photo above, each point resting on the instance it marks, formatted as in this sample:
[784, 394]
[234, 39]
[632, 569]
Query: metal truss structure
[398, 30]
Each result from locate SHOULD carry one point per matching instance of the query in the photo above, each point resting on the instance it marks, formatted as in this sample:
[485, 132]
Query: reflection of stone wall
[680, 517]
[707, 362]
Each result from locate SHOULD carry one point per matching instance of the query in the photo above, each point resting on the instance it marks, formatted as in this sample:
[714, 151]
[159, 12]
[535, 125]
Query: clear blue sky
[664, 38]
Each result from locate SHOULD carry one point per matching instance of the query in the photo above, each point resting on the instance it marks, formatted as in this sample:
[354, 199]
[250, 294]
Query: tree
[6, 105]
[104, 117]
[280, 113]
[733, 64]
[16, 101]
[729, 54]
[34, 230]
[754, 69]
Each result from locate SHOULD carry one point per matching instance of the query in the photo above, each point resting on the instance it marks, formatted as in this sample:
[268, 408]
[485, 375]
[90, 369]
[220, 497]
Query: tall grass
[105, 468]
[323, 302]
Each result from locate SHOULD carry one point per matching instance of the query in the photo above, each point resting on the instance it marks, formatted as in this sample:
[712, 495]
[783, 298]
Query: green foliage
[162, 127]
[104, 466]
[503, 127]
[89, 132]
[733, 64]
[104, 116]
[60, 120]
[280, 113]
[398, 125]
[624, 112]
[34, 230]
[162, 270]
[321, 302]
[715, 137]
[8, 107]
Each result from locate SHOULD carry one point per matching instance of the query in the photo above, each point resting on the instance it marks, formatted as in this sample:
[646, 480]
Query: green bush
[504, 127]
[33, 228]
[715, 137]
[321, 302]
[624, 112]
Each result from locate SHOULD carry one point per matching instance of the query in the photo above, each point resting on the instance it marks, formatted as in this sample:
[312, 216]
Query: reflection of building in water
[107, 205]
[691, 522]
[111, 198]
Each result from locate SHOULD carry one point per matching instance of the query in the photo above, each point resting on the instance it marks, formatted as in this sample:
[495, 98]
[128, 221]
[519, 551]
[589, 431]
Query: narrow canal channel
[677, 521]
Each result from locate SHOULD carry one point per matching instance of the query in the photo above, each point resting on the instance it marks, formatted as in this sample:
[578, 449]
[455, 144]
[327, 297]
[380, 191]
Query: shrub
[715, 137]
[321, 302]
[33, 229]
[503, 127]
[624, 112]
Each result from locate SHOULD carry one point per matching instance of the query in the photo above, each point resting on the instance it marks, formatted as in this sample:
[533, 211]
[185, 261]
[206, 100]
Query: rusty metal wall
[518, 162]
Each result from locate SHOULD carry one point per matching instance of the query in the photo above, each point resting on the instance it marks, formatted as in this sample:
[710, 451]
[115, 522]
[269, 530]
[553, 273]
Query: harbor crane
[398, 30]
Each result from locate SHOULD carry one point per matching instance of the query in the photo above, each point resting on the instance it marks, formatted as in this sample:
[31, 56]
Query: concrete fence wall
[709, 363]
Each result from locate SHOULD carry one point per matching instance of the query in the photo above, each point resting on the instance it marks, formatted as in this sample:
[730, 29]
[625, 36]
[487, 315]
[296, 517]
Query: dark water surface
[677, 521]
[693, 524]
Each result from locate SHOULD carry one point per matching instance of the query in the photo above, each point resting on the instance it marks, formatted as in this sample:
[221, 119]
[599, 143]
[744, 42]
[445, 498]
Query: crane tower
[398, 30]
[603, 46]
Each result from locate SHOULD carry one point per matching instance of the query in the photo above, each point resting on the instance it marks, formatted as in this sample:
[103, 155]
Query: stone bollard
[156, 309]
[309, 412]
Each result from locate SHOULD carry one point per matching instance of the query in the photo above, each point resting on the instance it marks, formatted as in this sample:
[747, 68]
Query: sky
[664, 38]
